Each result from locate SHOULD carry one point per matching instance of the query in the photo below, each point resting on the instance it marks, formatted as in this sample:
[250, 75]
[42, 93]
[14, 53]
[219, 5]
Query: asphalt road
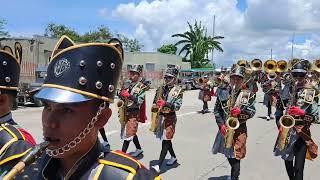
[193, 141]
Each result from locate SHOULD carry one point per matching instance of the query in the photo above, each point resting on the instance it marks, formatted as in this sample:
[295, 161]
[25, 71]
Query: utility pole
[271, 53]
[292, 42]
[213, 28]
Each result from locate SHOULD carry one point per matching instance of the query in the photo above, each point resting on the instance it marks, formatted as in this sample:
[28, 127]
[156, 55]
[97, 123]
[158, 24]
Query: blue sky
[32, 16]
[240, 21]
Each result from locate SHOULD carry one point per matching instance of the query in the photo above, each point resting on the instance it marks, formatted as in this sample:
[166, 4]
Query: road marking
[148, 123]
[179, 115]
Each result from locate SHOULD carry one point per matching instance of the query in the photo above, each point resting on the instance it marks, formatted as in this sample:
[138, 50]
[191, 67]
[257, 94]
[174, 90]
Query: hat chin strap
[77, 140]
[170, 83]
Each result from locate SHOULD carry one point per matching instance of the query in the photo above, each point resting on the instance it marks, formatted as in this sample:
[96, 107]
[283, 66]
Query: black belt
[132, 109]
[168, 114]
[299, 122]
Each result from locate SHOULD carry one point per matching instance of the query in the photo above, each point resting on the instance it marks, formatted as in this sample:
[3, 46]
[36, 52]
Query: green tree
[102, 34]
[56, 31]
[196, 44]
[130, 45]
[3, 33]
[168, 49]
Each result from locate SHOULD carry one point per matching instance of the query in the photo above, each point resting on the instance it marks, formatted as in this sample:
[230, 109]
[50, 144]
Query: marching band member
[270, 84]
[77, 92]
[15, 142]
[205, 93]
[133, 96]
[167, 100]
[233, 108]
[294, 142]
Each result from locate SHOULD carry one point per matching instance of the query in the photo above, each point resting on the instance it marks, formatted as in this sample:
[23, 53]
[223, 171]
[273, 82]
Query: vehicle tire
[37, 103]
[15, 104]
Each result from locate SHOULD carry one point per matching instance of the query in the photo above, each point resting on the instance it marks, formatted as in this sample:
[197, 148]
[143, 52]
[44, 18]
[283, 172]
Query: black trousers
[126, 143]
[295, 169]
[235, 168]
[205, 105]
[103, 134]
[166, 146]
[269, 106]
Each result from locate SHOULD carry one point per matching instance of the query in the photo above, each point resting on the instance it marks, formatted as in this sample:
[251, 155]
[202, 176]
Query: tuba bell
[316, 65]
[200, 80]
[270, 66]
[243, 63]
[286, 123]
[282, 66]
[256, 64]
[272, 76]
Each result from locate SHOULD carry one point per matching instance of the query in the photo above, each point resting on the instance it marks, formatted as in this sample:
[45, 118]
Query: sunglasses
[299, 74]
[168, 77]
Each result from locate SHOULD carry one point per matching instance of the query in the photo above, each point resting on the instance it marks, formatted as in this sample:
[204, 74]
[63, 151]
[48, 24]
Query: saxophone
[232, 123]
[155, 111]
[287, 122]
[122, 105]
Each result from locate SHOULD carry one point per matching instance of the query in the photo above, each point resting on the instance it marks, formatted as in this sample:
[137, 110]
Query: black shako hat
[301, 66]
[10, 67]
[78, 73]
[237, 70]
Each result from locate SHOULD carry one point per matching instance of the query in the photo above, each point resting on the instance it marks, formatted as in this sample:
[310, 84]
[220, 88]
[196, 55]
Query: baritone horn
[270, 66]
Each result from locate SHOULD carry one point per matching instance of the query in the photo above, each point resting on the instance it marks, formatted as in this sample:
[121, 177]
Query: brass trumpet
[282, 66]
[270, 66]
[256, 65]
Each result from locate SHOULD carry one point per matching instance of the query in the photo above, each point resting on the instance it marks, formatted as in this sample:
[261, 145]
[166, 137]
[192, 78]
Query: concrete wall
[38, 49]
[159, 59]
[35, 51]
[154, 63]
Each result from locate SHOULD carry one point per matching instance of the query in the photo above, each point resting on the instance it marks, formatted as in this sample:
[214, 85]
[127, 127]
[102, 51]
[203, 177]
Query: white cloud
[250, 34]
[103, 12]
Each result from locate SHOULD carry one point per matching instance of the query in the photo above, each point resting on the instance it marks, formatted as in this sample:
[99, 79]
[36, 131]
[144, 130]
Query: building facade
[38, 49]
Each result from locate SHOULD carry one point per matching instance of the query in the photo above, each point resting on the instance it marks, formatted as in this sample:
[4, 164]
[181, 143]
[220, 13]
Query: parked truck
[27, 91]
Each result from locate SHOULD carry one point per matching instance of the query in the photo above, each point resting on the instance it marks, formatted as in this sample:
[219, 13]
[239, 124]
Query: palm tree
[196, 44]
